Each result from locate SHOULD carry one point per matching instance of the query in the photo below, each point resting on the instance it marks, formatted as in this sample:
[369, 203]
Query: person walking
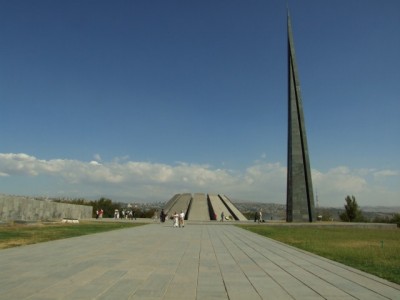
[176, 219]
[162, 216]
[182, 219]
[155, 216]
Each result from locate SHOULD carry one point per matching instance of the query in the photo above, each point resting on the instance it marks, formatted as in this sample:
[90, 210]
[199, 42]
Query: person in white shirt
[176, 219]
[182, 219]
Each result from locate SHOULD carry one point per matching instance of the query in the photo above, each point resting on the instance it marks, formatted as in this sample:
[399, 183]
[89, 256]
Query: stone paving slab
[157, 261]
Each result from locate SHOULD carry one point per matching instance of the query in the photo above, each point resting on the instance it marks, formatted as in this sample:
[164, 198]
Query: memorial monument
[300, 197]
[203, 207]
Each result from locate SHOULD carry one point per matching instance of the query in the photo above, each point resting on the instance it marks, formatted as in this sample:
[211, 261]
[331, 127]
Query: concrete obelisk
[300, 198]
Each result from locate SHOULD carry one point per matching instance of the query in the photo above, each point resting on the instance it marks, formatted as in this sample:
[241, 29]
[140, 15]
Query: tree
[396, 219]
[352, 212]
[106, 205]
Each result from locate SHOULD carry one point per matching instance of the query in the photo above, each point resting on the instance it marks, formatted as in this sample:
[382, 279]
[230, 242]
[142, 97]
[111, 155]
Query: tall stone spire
[300, 197]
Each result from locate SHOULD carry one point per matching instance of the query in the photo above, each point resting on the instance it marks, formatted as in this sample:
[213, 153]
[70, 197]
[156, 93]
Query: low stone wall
[26, 209]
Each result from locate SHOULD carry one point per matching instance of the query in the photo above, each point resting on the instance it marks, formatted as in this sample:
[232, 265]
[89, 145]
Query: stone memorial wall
[28, 209]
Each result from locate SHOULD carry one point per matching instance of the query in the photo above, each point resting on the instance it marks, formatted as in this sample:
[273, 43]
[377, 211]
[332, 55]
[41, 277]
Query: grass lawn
[376, 251]
[19, 235]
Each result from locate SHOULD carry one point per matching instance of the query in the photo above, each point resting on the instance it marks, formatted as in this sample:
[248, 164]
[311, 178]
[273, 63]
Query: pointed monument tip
[288, 13]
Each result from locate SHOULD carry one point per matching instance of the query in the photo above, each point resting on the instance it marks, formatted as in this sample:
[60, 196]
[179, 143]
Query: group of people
[177, 218]
[124, 214]
[99, 213]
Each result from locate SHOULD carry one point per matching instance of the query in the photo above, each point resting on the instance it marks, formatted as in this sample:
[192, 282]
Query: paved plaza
[200, 261]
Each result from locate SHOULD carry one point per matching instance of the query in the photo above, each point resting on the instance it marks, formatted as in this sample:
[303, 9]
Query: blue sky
[139, 100]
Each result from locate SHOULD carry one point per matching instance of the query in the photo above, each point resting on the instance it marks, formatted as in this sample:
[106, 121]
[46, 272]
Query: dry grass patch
[14, 235]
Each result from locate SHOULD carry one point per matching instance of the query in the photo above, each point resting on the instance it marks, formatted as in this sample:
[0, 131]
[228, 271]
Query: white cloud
[386, 173]
[18, 164]
[262, 181]
[97, 157]
[365, 184]
[340, 179]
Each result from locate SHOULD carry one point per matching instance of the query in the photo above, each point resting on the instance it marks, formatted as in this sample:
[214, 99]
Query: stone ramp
[199, 208]
[157, 261]
[181, 203]
[218, 207]
[239, 216]
[171, 202]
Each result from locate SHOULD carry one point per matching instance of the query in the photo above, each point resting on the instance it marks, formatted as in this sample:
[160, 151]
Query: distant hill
[274, 211]
[381, 209]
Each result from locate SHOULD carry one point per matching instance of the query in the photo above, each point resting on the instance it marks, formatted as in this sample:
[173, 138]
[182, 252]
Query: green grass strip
[375, 251]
